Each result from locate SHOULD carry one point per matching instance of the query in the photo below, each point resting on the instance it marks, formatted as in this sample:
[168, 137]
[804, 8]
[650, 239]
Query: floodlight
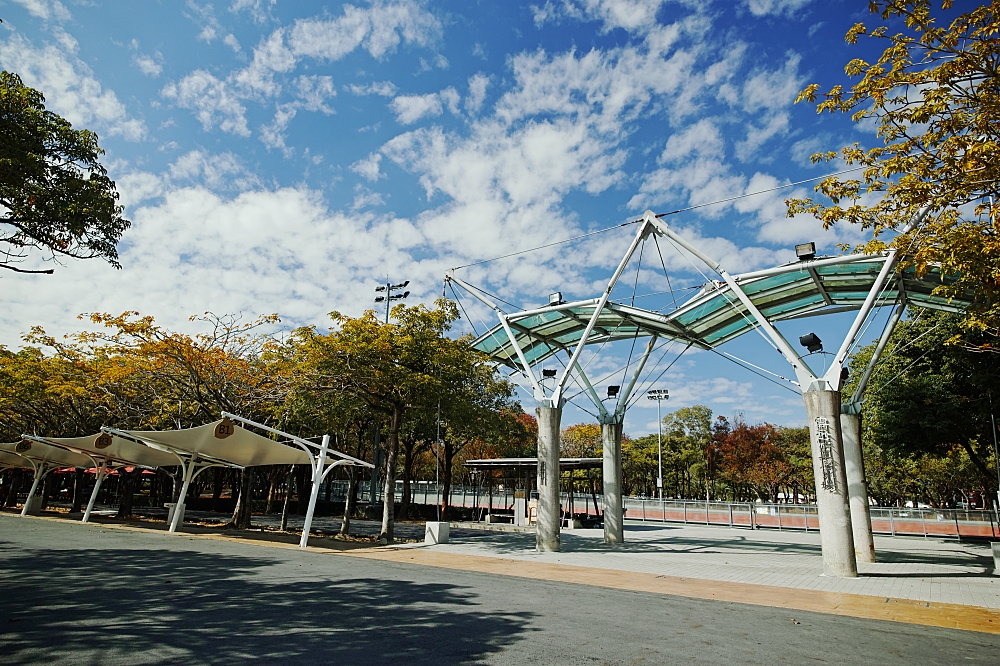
[379, 299]
[811, 342]
[382, 288]
[805, 251]
[400, 285]
[658, 394]
[556, 298]
[548, 372]
[613, 391]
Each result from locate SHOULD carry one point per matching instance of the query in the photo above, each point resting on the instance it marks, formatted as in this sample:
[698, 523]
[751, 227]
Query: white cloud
[378, 28]
[365, 198]
[46, 9]
[775, 7]
[259, 10]
[369, 167]
[193, 251]
[233, 43]
[69, 86]
[212, 101]
[148, 65]
[313, 92]
[381, 88]
[411, 108]
[477, 92]
[270, 57]
[632, 15]
[215, 171]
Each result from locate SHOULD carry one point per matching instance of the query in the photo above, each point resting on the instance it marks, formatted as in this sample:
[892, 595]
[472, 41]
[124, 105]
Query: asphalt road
[75, 594]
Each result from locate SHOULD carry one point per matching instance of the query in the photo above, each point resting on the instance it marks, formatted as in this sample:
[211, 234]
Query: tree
[55, 197]
[392, 368]
[926, 397]
[934, 94]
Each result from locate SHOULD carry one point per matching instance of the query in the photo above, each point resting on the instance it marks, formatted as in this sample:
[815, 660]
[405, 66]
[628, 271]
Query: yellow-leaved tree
[934, 96]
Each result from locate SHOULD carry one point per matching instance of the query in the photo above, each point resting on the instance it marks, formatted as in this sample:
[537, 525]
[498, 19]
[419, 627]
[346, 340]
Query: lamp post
[659, 395]
[388, 288]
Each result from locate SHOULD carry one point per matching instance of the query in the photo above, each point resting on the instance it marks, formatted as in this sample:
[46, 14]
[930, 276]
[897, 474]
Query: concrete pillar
[547, 522]
[836, 537]
[857, 488]
[611, 442]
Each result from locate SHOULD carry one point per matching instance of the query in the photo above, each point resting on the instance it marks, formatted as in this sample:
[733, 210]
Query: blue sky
[283, 157]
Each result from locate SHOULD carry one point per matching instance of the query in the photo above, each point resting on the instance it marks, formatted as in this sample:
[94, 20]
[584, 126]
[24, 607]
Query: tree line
[406, 383]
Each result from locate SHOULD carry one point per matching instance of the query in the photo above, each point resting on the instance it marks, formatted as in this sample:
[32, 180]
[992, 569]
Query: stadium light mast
[659, 395]
[388, 288]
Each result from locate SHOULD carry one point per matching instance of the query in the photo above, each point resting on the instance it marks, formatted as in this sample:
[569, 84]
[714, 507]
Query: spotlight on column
[805, 251]
[613, 391]
[556, 298]
[548, 372]
[811, 342]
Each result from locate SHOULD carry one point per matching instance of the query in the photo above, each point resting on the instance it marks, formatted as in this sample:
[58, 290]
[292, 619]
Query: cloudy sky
[285, 157]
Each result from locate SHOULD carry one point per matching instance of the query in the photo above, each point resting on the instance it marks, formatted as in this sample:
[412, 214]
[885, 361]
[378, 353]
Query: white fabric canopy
[12, 459]
[117, 449]
[224, 441]
[46, 453]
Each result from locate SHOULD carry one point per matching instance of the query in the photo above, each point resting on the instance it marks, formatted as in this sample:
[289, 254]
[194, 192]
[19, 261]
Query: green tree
[392, 368]
[926, 396]
[934, 95]
[55, 197]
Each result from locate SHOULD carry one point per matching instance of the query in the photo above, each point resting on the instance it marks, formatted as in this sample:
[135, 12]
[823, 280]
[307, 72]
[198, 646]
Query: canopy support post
[179, 507]
[317, 480]
[41, 471]
[98, 479]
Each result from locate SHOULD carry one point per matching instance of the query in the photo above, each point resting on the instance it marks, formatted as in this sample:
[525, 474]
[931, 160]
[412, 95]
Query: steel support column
[547, 522]
[614, 519]
[836, 536]
[857, 487]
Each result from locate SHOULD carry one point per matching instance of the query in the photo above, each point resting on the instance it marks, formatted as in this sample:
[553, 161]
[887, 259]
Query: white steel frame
[102, 464]
[316, 463]
[192, 464]
[41, 468]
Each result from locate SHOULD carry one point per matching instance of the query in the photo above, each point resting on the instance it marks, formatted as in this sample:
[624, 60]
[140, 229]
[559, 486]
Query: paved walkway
[932, 570]
[909, 568]
[114, 594]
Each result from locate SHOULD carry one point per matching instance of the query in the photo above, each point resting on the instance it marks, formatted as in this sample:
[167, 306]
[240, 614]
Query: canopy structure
[722, 310]
[11, 460]
[43, 458]
[715, 315]
[226, 443]
[109, 451]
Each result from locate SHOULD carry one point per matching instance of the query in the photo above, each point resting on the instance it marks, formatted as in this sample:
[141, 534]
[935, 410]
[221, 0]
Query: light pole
[388, 288]
[659, 395]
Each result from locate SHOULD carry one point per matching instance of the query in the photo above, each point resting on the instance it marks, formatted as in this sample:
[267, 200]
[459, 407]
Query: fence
[949, 523]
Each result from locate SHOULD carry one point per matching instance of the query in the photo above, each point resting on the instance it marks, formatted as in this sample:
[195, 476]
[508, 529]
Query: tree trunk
[352, 485]
[288, 495]
[47, 485]
[301, 493]
[389, 500]
[241, 519]
[77, 492]
[404, 504]
[15, 488]
[126, 488]
[218, 478]
[273, 477]
[449, 456]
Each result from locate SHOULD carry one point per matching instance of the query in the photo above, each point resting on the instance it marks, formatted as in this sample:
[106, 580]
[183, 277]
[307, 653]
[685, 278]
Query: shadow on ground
[163, 606]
